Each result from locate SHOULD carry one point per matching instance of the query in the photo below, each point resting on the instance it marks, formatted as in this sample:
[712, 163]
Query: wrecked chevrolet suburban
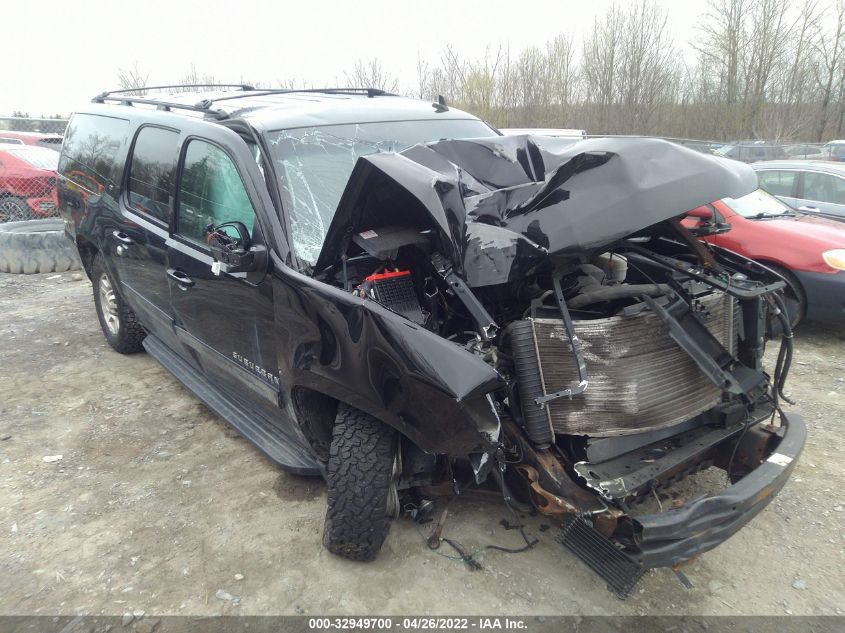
[386, 293]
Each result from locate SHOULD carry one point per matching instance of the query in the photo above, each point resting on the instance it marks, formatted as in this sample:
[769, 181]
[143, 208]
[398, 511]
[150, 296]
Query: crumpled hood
[502, 204]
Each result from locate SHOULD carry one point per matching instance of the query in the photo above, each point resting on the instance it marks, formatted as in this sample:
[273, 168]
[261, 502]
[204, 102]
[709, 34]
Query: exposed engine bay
[631, 352]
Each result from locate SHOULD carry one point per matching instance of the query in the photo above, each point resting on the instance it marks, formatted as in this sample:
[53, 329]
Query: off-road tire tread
[131, 335]
[36, 246]
[359, 474]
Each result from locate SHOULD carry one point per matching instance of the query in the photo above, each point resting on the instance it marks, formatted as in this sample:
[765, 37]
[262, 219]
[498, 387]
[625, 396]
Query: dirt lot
[156, 506]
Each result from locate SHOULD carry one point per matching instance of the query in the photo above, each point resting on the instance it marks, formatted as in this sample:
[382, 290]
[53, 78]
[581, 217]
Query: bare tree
[648, 75]
[629, 67]
[602, 51]
[562, 74]
[370, 74]
[193, 78]
[830, 47]
[423, 78]
[131, 79]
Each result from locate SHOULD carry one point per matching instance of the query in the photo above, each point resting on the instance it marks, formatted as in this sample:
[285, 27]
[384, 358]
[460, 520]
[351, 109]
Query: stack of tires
[36, 246]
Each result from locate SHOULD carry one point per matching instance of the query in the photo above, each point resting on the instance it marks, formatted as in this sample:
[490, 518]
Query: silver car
[807, 185]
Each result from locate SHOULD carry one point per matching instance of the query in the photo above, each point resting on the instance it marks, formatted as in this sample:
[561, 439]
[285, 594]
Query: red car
[27, 182]
[41, 139]
[808, 251]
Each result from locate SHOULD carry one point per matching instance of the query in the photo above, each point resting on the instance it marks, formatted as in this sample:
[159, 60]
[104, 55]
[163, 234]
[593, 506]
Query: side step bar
[619, 572]
[283, 448]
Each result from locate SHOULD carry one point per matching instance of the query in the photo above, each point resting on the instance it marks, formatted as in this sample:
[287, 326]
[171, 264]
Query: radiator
[639, 378]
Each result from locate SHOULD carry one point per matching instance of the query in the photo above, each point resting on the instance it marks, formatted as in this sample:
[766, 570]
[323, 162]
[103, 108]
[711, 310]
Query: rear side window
[91, 145]
[777, 182]
[211, 192]
[824, 188]
[151, 172]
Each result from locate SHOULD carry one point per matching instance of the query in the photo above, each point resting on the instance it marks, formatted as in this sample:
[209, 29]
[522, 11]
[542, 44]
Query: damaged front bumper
[679, 535]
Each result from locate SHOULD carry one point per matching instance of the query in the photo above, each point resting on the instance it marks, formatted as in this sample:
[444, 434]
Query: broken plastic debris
[225, 595]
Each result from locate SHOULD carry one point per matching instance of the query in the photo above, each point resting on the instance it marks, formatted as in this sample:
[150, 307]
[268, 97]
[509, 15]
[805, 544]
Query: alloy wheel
[11, 211]
[108, 304]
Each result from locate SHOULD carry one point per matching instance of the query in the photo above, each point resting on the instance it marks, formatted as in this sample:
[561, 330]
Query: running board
[619, 572]
[283, 448]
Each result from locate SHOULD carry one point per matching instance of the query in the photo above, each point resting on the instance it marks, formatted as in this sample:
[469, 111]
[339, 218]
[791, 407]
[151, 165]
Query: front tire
[119, 324]
[360, 476]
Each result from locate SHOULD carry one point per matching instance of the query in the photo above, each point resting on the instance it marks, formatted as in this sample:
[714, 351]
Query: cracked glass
[315, 164]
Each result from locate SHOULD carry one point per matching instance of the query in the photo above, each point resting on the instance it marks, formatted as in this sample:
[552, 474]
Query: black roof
[279, 109]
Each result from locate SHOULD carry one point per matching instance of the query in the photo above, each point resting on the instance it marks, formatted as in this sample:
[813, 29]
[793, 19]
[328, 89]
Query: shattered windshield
[315, 164]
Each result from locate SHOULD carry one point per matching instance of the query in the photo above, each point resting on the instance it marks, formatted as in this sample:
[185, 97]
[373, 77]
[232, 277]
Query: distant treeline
[772, 69]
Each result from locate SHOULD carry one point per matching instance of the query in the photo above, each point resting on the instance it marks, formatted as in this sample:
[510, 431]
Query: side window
[824, 188]
[211, 192]
[90, 150]
[778, 183]
[151, 172]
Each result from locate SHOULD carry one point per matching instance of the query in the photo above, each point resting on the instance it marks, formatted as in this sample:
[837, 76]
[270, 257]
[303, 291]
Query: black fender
[356, 351]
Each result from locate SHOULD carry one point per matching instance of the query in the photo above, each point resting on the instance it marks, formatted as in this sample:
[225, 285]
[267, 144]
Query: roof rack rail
[204, 107]
[102, 95]
[260, 92]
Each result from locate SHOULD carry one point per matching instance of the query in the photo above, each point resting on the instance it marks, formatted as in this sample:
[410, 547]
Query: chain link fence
[29, 157]
[29, 154]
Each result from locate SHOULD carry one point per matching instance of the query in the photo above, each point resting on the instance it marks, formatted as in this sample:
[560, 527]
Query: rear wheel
[119, 324]
[361, 473]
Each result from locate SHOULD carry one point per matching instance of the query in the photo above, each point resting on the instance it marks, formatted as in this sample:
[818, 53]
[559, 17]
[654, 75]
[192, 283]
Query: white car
[814, 186]
[544, 131]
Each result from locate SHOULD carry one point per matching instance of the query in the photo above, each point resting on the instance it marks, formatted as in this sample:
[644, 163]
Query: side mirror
[702, 213]
[232, 249]
[708, 224]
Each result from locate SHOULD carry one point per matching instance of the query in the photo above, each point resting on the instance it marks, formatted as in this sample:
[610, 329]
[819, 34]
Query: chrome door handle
[179, 277]
[123, 238]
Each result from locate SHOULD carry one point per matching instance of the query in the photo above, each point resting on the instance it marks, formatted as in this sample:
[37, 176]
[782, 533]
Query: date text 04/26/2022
[421, 624]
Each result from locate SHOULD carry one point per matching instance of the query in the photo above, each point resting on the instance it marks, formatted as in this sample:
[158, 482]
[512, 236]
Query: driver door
[225, 321]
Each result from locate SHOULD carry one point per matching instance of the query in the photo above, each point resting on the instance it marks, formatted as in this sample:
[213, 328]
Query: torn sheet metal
[499, 205]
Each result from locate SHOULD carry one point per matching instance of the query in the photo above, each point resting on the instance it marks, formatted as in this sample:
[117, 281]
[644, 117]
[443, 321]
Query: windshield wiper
[763, 214]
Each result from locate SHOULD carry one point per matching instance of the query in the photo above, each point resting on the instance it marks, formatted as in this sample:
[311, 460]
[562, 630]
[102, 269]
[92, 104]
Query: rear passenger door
[824, 193]
[225, 321]
[139, 240]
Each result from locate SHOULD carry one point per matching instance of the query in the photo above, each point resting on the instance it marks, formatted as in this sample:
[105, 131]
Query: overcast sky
[59, 54]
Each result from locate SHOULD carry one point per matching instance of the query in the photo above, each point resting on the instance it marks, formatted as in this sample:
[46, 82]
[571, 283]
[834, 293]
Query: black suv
[388, 294]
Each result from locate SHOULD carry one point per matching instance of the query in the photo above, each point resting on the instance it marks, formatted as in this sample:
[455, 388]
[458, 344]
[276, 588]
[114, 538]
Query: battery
[395, 291]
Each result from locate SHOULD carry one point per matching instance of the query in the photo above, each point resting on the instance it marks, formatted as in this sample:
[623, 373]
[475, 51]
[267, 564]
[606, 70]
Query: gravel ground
[120, 492]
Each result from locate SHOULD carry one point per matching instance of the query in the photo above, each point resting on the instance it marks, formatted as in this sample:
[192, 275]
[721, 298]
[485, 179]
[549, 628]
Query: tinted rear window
[151, 172]
[90, 148]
